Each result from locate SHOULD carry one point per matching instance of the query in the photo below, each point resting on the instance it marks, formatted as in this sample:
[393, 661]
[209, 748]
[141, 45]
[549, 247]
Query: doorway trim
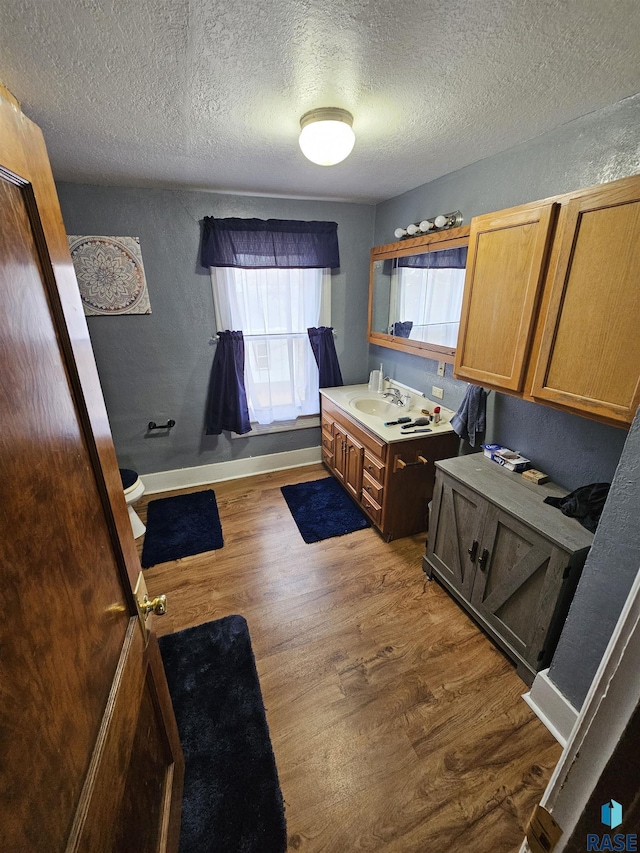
[612, 698]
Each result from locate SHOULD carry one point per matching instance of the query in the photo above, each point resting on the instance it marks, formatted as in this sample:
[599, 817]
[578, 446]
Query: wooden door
[339, 452]
[589, 356]
[505, 271]
[91, 759]
[517, 584]
[353, 467]
[455, 531]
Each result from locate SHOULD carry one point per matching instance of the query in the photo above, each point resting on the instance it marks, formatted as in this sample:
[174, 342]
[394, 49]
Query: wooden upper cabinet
[551, 308]
[505, 272]
[589, 355]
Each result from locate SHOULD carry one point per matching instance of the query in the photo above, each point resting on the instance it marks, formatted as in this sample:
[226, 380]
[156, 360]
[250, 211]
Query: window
[274, 308]
[433, 299]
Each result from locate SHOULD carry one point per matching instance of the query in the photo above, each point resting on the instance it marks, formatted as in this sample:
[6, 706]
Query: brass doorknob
[157, 605]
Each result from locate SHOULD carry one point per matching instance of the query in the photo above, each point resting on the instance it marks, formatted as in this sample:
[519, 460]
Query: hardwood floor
[397, 726]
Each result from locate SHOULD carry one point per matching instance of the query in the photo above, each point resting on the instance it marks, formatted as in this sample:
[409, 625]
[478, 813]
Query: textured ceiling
[205, 94]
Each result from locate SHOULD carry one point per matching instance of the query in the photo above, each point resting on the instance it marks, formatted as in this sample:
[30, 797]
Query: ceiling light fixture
[326, 137]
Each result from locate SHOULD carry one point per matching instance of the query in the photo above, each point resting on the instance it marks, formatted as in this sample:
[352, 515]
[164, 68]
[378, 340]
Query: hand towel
[470, 419]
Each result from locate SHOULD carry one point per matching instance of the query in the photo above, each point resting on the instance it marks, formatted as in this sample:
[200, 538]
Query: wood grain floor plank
[396, 724]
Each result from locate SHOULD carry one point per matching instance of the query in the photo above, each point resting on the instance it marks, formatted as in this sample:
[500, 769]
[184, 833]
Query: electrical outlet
[441, 368]
[437, 392]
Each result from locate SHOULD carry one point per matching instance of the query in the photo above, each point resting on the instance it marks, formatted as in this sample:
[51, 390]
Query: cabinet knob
[473, 551]
[482, 562]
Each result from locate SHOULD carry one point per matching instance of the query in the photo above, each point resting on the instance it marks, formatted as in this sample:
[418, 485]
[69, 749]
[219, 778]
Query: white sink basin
[373, 411]
[378, 408]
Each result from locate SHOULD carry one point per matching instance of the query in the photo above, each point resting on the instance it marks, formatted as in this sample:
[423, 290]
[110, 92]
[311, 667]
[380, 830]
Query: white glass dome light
[326, 137]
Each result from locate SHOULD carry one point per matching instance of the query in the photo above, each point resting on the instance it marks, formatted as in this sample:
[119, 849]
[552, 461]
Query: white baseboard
[551, 707]
[201, 475]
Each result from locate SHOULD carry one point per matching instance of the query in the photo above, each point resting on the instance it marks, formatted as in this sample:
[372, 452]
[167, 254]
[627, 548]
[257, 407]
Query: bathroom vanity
[389, 474]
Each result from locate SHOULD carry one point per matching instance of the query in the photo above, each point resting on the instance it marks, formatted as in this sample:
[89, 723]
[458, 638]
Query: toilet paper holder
[168, 425]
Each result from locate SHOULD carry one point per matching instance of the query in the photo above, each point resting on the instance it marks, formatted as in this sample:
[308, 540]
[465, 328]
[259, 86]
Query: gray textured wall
[157, 366]
[611, 567]
[594, 149]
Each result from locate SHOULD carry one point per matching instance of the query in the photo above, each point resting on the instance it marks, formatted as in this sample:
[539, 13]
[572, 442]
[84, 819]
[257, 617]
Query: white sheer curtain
[432, 298]
[274, 308]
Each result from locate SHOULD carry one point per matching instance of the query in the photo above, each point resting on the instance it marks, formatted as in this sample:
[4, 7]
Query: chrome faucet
[393, 392]
[398, 398]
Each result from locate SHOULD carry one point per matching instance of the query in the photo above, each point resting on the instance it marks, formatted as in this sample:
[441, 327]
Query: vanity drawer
[327, 424]
[372, 488]
[327, 443]
[374, 467]
[327, 458]
[373, 509]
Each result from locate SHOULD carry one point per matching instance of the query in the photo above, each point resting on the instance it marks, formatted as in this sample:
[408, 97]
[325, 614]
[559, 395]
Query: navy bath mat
[180, 527]
[232, 801]
[322, 509]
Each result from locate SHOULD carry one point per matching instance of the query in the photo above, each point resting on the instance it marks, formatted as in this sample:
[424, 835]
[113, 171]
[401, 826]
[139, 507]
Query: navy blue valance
[269, 243]
[442, 259]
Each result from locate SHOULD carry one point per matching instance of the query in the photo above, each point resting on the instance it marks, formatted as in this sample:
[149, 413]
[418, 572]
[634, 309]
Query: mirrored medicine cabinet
[415, 293]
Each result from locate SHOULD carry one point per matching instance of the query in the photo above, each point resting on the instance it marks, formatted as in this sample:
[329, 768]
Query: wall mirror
[415, 293]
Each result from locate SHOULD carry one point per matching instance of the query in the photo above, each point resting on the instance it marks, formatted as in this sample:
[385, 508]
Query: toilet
[133, 491]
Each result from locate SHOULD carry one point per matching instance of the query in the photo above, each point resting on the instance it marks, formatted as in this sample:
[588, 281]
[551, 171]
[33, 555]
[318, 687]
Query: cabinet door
[455, 530]
[339, 452]
[589, 356]
[505, 270]
[353, 466]
[517, 584]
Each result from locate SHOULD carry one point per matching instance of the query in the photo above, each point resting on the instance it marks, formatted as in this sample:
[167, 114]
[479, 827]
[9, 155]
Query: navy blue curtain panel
[324, 350]
[403, 329]
[269, 243]
[442, 259]
[227, 407]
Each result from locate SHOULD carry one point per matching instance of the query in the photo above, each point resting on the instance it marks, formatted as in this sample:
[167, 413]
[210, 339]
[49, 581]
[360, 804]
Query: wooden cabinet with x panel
[509, 559]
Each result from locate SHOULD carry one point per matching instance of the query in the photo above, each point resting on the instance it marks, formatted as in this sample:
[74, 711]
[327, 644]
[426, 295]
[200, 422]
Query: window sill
[306, 422]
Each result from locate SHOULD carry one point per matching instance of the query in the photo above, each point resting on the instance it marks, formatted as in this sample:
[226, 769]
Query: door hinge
[543, 831]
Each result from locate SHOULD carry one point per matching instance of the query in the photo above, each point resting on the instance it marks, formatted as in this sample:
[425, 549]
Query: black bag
[585, 504]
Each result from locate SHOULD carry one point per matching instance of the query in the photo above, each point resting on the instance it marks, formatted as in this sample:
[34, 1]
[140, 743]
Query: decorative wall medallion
[110, 275]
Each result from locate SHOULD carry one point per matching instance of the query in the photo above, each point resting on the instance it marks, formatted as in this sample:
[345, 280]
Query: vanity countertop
[347, 397]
